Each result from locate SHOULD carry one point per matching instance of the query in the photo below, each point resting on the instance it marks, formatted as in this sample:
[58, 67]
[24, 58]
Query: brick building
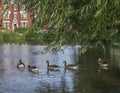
[14, 17]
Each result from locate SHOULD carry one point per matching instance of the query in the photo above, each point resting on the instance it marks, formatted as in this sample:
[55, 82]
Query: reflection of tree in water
[115, 57]
[90, 81]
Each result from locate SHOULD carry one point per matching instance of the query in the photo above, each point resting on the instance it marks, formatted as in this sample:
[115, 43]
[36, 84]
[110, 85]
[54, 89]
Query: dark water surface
[89, 78]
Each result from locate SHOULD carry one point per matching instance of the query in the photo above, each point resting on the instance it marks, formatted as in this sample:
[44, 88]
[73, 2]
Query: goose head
[33, 69]
[47, 63]
[65, 63]
[20, 64]
[99, 60]
[20, 61]
[70, 66]
[52, 67]
[28, 66]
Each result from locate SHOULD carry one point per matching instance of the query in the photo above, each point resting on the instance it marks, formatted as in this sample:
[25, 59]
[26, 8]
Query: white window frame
[15, 7]
[15, 14]
[23, 14]
[6, 24]
[23, 7]
[24, 24]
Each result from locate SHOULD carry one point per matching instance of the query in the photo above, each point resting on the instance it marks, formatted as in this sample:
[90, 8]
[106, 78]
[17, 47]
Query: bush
[3, 29]
[21, 29]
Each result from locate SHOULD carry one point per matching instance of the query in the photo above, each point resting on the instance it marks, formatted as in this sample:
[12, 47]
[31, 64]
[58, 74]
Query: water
[89, 78]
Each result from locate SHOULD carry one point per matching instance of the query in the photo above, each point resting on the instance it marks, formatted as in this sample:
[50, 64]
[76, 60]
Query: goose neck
[65, 63]
[47, 63]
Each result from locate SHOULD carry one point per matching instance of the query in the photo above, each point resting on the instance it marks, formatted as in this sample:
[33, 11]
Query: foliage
[21, 29]
[7, 37]
[34, 38]
[32, 35]
[3, 29]
[90, 22]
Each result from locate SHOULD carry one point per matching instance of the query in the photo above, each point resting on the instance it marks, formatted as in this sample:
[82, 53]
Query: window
[15, 15]
[15, 26]
[24, 24]
[23, 15]
[6, 25]
[15, 7]
[23, 7]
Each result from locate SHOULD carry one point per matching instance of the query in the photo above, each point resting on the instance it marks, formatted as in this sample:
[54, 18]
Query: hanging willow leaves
[93, 22]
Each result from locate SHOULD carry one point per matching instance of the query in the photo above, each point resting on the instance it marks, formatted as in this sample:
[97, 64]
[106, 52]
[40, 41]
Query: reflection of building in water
[11, 54]
[7, 60]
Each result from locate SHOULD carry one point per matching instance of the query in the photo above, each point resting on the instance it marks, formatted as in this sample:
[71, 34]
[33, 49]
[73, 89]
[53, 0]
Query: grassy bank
[22, 38]
[7, 37]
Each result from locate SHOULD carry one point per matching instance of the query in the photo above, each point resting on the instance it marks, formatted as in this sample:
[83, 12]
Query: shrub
[21, 29]
[3, 29]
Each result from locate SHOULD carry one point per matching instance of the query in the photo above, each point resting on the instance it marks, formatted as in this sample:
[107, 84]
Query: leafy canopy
[87, 23]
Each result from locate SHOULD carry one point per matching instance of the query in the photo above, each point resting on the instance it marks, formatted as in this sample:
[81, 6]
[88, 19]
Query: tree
[93, 22]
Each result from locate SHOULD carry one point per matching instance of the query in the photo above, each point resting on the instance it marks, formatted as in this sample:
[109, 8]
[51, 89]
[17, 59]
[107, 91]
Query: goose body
[32, 68]
[70, 66]
[52, 67]
[20, 64]
[102, 63]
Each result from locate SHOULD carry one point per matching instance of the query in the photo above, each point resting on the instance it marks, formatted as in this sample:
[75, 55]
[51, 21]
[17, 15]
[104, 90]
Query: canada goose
[20, 64]
[70, 66]
[52, 67]
[33, 68]
[102, 62]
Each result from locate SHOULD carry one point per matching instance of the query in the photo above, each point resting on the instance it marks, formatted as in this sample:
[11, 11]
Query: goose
[33, 68]
[20, 64]
[52, 67]
[102, 62]
[70, 66]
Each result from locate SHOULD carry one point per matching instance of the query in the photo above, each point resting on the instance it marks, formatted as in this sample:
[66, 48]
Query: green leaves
[92, 21]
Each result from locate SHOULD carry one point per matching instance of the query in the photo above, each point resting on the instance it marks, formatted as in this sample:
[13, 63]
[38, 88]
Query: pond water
[89, 78]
